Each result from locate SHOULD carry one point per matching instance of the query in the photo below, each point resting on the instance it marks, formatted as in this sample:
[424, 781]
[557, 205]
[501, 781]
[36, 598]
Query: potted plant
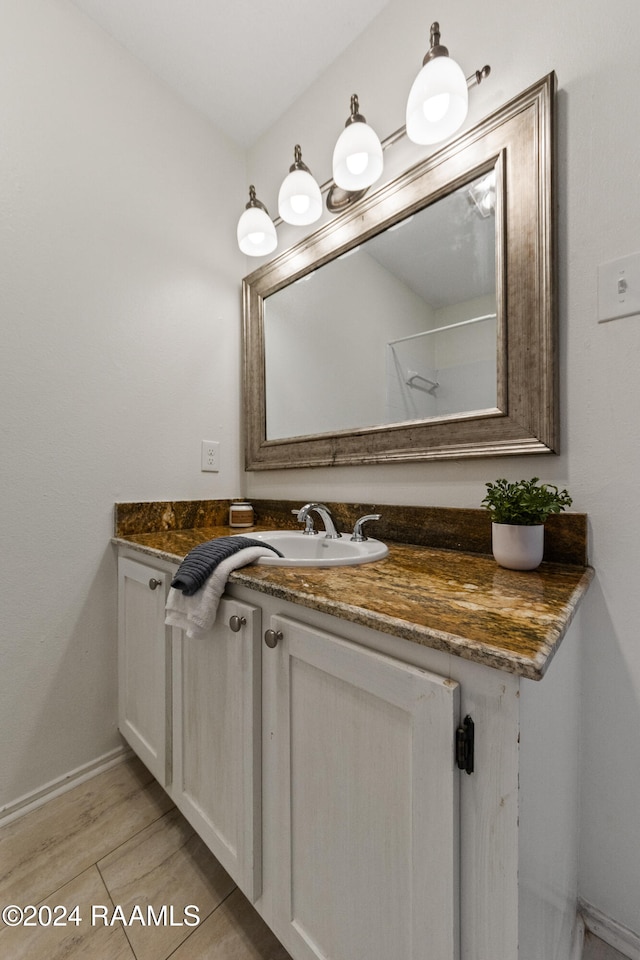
[518, 514]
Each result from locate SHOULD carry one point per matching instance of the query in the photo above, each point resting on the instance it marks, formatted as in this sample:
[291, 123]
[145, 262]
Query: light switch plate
[619, 288]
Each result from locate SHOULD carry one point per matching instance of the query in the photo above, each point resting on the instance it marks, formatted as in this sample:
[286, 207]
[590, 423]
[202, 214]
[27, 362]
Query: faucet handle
[309, 529]
[358, 534]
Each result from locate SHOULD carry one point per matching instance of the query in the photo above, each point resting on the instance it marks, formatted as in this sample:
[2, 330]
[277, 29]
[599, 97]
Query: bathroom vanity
[318, 740]
[385, 757]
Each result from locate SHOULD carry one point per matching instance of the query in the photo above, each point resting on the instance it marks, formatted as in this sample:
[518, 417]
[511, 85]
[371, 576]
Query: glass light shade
[256, 233]
[299, 200]
[438, 101]
[357, 157]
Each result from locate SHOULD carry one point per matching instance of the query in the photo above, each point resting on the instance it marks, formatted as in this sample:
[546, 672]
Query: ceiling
[240, 62]
[445, 253]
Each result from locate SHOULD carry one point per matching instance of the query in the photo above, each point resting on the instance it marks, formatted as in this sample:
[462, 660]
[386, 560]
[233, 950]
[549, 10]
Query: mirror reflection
[401, 327]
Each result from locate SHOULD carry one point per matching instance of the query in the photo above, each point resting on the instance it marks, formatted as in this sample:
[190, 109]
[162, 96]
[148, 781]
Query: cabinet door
[365, 791]
[217, 739]
[143, 649]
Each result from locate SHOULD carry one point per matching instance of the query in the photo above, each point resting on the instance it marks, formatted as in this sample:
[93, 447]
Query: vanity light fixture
[439, 97]
[357, 155]
[436, 108]
[299, 200]
[256, 231]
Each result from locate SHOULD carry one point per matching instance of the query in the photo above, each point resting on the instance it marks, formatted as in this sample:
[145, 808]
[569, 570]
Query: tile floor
[117, 840]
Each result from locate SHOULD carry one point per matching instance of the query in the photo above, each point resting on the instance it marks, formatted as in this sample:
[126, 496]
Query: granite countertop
[462, 603]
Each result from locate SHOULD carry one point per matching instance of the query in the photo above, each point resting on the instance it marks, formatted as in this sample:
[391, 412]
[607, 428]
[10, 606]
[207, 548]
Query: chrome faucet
[325, 515]
[358, 532]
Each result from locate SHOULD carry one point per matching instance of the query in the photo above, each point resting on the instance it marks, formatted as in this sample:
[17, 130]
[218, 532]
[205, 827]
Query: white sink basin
[302, 550]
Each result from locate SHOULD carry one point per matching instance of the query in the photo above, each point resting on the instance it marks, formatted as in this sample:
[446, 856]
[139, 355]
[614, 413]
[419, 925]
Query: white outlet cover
[210, 456]
[619, 288]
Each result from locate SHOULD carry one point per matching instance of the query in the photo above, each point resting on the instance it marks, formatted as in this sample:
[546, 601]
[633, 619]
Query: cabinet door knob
[237, 623]
[271, 638]
[153, 583]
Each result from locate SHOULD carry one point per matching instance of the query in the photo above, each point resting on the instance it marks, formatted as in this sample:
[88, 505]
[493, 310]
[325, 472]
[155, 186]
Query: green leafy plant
[524, 502]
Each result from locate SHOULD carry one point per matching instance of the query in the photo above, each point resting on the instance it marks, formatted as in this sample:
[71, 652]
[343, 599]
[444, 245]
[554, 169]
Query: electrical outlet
[210, 456]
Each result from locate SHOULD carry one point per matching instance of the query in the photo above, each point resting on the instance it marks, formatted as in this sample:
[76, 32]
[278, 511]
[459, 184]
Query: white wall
[119, 353]
[594, 50]
[317, 335]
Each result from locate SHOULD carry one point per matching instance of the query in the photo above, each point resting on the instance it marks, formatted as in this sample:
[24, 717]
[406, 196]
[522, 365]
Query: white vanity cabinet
[316, 757]
[375, 844]
[191, 711]
[361, 800]
[144, 689]
[217, 739]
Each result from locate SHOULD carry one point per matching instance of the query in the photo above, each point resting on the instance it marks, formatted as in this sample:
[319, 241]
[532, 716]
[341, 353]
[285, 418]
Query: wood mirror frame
[518, 140]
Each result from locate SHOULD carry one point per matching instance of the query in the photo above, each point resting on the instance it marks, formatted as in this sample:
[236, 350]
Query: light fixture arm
[355, 116]
[297, 160]
[435, 47]
[476, 78]
[254, 202]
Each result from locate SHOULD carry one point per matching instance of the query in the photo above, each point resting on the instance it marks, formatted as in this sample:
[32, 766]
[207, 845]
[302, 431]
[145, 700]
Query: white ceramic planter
[517, 547]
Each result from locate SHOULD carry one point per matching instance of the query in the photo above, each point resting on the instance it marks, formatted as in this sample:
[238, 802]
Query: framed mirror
[420, 323]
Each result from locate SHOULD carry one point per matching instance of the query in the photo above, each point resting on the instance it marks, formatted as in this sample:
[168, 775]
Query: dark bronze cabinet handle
[271, 638]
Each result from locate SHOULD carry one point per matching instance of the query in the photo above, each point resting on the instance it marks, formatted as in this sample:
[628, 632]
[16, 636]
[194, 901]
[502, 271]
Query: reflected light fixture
[483, 194]
[439, 98]
[357, 156]
[256, 231]
[299, 200]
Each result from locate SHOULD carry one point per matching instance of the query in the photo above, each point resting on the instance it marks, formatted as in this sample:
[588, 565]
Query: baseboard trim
[31, 801]
[620, 938]
[577, 942]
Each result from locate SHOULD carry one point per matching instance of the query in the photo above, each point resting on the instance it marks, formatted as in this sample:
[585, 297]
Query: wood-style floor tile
[165, 865]
[84, 941]
[47, 847]
[233, 932]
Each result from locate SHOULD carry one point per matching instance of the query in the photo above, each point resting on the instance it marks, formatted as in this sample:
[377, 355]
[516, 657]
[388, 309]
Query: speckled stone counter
[452, 600]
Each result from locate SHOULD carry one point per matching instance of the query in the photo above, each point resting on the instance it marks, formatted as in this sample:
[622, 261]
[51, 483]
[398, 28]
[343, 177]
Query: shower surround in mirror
[356, 343]
[445, 370]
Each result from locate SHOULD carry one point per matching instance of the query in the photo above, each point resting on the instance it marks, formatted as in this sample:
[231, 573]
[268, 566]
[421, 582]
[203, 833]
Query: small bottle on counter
[240, 514]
